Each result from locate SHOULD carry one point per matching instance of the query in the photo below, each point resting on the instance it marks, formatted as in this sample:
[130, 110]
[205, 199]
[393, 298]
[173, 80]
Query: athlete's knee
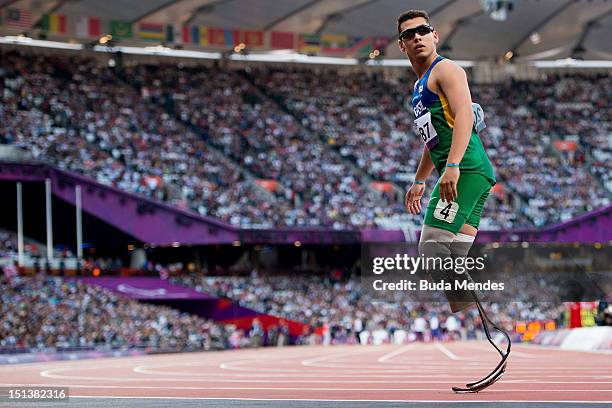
[468, 229]
[463, 241]
[429, 233]
[435, 241]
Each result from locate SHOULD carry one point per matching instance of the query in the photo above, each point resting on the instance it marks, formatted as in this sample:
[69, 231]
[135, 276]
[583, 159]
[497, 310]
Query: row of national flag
[340, 44]
[204, 36]
[306, 43]
[91, 27]
[52, 23]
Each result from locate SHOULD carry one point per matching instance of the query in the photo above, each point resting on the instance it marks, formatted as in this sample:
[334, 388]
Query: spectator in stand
[419, 326]
[256, 334]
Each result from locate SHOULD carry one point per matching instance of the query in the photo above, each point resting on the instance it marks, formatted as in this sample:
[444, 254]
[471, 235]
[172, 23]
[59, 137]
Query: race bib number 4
[426, 131]
[446, 211]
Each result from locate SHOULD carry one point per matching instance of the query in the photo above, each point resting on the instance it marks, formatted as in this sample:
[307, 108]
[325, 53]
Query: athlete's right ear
[400, 44]
[436, 37]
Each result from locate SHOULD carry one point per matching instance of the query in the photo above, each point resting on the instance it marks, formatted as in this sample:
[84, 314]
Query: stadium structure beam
[586, 29]
[338, 14]
[154, 10]
[79, 222]
[8, 3]
[292, 13]
[456, 26]
[49, 219]
[20, 252]
[206, 7]
[431, 15]
[539, 25]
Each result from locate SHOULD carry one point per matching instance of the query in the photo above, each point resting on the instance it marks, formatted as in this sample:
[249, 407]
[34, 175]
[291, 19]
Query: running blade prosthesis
[497, 373]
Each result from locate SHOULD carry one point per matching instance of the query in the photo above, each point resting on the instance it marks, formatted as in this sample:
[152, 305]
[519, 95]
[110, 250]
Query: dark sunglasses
[409, 33]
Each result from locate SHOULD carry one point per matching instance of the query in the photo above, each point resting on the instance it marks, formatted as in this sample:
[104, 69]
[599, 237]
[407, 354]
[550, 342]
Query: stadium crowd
[40, 312]
[315, 187]
[80, 117]
[525, 119]
[367, 118]
[194, 136]
[582, 105]
[348, 309]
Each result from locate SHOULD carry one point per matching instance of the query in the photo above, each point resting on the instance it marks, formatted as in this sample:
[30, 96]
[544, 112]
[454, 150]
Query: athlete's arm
[426, 166]
[415, 192]
[452, 82]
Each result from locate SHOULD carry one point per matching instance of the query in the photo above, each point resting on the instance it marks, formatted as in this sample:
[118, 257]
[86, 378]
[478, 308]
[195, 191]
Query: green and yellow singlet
[435, 123]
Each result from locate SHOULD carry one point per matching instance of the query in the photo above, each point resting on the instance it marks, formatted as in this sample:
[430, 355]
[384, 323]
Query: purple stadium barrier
[162, 224]
[188, 300]
[147, 288]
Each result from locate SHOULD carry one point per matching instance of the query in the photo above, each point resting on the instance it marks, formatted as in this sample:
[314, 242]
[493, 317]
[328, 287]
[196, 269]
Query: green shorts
[472, 192]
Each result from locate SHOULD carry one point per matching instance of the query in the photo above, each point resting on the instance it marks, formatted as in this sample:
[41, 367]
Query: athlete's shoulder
[448, 71]
[449, 66]
[445, 75]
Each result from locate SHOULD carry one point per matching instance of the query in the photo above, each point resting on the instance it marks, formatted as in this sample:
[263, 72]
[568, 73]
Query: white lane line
[391, 373]
[415, 379]
[446, 351]
[537, 347]
[234, 364]
[345, 400]
[513, 353]
[395, 353]
[312, 361]
[155, 387]
[59, 373]
[425, 379]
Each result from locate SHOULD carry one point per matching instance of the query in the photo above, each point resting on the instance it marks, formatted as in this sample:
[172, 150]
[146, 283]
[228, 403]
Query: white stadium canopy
[473, 30]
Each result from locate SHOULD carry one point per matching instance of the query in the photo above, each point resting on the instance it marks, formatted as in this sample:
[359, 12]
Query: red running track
[414, 372]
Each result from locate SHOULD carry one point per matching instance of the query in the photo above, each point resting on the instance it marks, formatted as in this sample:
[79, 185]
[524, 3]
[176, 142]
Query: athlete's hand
[448, 184]
[413, 198]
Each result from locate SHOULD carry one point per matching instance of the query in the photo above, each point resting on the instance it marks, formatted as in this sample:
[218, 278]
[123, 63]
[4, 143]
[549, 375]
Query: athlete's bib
[426, 131]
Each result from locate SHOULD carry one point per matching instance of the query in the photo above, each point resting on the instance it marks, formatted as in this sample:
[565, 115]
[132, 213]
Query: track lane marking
[144, 387]
[348, 400]
[311, 362]
[513, 352]
[446, 351]
[395, 353]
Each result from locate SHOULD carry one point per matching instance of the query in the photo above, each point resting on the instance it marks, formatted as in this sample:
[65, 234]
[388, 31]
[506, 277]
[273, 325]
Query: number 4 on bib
[446, 211]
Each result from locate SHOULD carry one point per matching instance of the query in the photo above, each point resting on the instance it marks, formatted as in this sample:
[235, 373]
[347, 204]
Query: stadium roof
[533, 29]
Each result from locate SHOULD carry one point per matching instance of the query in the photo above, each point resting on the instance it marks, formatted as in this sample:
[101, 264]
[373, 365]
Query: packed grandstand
[41, 312]
[202, 138]
[261, 147]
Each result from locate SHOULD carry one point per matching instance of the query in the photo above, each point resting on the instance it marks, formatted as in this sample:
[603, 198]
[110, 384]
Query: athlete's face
[418, 46]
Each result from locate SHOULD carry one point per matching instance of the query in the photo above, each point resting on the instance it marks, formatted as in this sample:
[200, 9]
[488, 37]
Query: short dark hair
[409, 15]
